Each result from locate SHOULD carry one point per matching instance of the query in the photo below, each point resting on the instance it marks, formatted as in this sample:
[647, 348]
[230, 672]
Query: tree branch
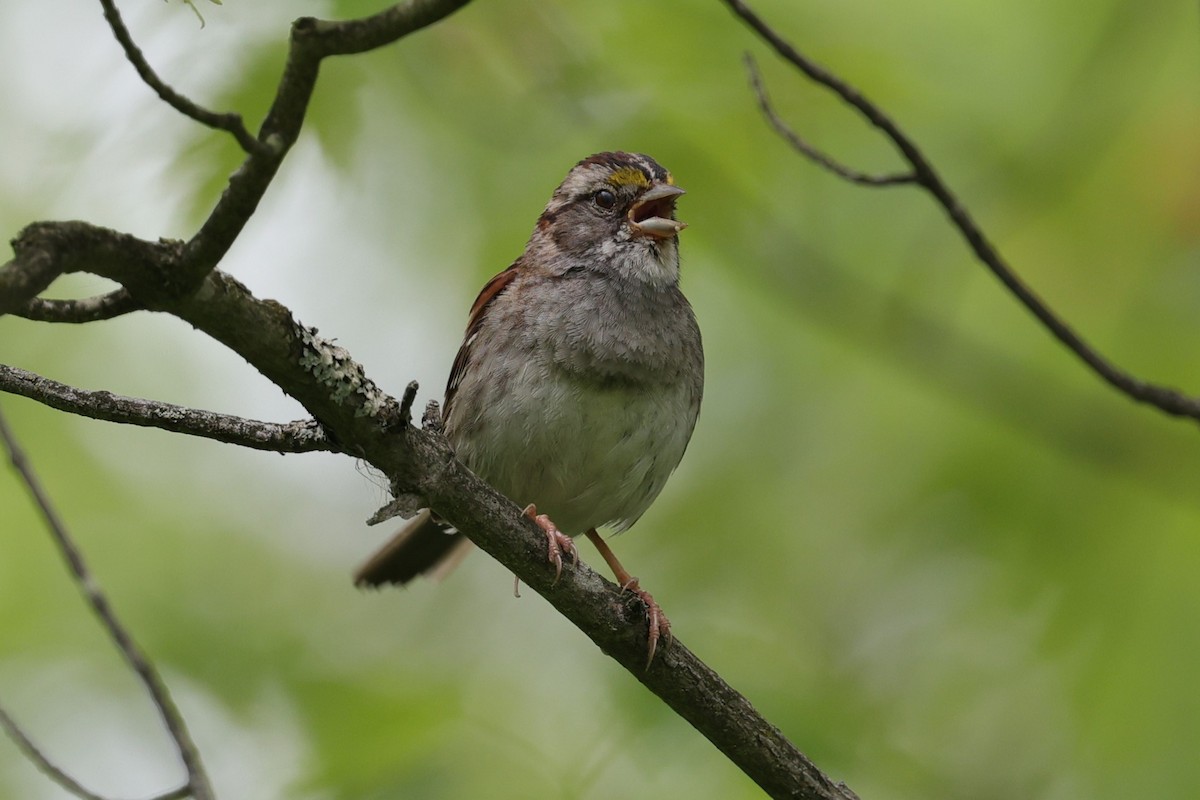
[45, 250]
[87, 309]
[301, 436]
[197, 784]
[43, 763]
[808, 150]
[311, 41]
[23, 279]
[228, 122]
[1166, 399]
[56, 774]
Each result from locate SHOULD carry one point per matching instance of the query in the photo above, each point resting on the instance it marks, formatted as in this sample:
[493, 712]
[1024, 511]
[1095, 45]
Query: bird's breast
[587, 453]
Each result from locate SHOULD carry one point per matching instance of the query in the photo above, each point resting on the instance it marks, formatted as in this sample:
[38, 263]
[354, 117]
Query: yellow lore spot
[629, 176]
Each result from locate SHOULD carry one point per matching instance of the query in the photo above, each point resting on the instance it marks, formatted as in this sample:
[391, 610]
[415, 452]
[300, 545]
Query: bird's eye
[605, 199]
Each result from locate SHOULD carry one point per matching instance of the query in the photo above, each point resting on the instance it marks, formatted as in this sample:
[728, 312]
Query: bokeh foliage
[935, 551]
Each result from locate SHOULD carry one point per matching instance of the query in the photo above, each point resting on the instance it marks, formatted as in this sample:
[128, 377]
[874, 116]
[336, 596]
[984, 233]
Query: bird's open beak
[653, 214]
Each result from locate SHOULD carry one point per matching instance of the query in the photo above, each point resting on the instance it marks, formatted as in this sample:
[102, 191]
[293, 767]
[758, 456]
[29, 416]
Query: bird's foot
[557, 542]
[660, 626]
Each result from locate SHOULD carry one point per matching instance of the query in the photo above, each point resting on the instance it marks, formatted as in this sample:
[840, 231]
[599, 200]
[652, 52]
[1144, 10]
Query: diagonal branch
[301, 436]
[197, 783]
[229, 122]
[1166, 399]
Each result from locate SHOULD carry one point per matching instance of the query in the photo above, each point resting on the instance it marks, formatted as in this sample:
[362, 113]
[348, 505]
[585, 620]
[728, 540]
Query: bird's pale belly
[586, 457]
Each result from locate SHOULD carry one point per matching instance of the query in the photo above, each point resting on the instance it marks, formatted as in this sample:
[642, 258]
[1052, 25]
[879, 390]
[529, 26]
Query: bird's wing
[490, 292]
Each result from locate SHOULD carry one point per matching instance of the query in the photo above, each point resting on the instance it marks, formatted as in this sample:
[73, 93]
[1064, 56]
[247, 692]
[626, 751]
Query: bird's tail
[423, 546]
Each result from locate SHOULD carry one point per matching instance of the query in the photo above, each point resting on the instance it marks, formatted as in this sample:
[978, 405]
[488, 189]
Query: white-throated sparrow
[579, 380]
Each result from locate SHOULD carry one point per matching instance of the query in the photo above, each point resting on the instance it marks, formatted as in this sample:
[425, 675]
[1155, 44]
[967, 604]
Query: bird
[579, 379]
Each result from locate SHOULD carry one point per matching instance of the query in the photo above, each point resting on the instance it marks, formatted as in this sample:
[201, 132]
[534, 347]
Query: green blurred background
[942, 557]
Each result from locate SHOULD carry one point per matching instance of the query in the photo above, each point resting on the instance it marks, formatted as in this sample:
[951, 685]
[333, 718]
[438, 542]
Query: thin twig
[198, 783]
[228, 122]
[312, 40]
[41, 761]
[301, 436]
[1169, 400]
[808, 150]
[56, 774]
[87, 309]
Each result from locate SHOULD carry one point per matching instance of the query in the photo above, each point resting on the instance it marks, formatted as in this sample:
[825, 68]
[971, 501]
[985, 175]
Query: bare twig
[197, 783]
[56, 774]
[228, 122]
[41, 761]
[88, 309]
[808, 150]
[312, 40]
[301, 436]
[1166, 399]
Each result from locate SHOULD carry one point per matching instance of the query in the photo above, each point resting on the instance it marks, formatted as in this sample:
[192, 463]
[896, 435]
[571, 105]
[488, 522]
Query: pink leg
[659, 625]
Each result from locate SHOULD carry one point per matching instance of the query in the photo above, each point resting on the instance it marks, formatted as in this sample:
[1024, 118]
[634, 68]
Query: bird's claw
[659, 625]
[557, 542]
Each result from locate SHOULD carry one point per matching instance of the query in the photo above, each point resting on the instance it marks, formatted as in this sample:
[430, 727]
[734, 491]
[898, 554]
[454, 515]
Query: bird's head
[616, 211]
